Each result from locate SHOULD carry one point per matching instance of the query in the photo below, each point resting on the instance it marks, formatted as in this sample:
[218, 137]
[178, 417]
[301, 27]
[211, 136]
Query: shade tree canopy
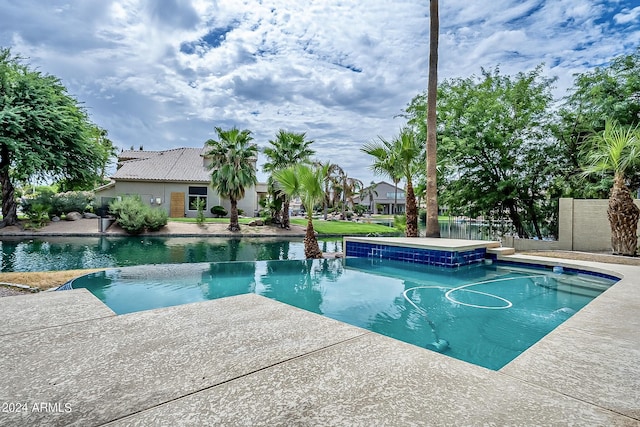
[44, 132]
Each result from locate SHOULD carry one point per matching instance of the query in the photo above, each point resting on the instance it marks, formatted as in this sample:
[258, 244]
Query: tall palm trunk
[311, 247]
[433, 227]
[623, 216]
[233, 216]
[412, 211]
[285, 214]
[395, 200]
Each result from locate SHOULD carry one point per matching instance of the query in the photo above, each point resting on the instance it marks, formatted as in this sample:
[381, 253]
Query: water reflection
[66, 253]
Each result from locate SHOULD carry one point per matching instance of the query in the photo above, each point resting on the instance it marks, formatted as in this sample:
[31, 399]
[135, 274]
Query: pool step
[501, 251]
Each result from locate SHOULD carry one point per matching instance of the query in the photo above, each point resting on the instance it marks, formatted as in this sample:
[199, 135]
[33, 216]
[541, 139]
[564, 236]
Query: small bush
[218, 211]
[156, 219]
[134, 216]
[200, 204]
[35, 204]
[400, 222]
[422, 215]
[38, 217]
[130, 213]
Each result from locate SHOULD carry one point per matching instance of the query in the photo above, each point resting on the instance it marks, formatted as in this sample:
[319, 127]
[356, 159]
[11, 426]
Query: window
[392, 195]
[195, 194]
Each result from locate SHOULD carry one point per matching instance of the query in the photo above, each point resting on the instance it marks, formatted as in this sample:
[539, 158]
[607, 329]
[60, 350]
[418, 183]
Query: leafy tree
[44, 133]
[607, 93]
[615, 150]
[496, 150]
[232, 167]
[307, 183]
[433, 227]
[288, 149]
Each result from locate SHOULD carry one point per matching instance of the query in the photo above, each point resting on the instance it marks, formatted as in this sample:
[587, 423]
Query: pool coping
[594, 381]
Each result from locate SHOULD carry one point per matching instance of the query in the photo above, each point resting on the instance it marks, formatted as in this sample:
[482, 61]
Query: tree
[496, 149]
[385, 163]
[615, 150]
[232, 167]
[433, 227]
[288, 149]
[351, 187]
[607, 93]
[106, 152]
[407, 149]
[369, 192]
[44, 133]
[307, 183]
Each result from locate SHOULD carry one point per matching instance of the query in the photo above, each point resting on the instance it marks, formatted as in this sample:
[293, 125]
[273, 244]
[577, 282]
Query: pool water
[486, 314]
[71, 253]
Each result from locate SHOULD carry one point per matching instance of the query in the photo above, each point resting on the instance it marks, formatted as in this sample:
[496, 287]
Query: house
[380, 198]
[173, 180]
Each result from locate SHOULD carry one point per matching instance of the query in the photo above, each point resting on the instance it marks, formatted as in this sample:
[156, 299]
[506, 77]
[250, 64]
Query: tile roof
[177, 165]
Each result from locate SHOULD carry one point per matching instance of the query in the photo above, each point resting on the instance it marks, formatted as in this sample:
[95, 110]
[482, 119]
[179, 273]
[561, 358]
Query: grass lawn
[345, 228]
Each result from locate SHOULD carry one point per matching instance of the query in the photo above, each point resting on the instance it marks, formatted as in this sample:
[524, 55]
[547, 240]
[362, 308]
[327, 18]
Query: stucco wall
[154, 190]
[583, 226]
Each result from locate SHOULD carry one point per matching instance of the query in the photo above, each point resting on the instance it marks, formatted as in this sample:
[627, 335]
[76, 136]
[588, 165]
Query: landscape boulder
[89, 215]
[73, 216]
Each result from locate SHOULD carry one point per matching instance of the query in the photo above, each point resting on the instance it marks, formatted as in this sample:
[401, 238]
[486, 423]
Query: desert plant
[155, 219]
[200, 204]
[218, 211]
[38, 216]
[130, 213]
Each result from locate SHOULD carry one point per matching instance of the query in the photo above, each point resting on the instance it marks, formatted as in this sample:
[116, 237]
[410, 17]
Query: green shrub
[38, 217]
[130, 213]
[218, 211]
[156, 219]
[400, 222]
[422, 215]
[34, 204]
[359, 209]
[200, 204]
[134, 216]
[70, 201]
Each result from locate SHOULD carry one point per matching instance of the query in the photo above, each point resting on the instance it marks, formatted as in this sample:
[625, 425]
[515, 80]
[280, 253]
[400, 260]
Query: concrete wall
[583, 225]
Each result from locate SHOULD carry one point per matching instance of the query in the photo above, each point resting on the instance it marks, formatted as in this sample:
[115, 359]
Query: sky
[164, 74]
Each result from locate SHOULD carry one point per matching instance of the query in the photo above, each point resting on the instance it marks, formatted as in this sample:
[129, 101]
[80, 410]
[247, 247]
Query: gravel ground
[9, 291]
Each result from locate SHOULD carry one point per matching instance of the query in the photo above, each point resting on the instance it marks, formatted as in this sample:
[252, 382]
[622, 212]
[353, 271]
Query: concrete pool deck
[248, 360]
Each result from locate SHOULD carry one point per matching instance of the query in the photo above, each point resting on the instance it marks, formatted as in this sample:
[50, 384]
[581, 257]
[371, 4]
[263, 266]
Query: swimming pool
[70, 253]
[483, 314]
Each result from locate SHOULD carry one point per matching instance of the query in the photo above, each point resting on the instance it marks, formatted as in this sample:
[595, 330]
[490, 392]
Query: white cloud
[340, 71]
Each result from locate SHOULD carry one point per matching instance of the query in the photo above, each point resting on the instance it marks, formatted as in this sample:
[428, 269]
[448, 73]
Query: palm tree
[385, 163]
[616, 150]
[288, 149]
[232, 167]
[307, 183]
[351, 187]
[334, 172]
[433, 227]
[407, 150]
[369, 192]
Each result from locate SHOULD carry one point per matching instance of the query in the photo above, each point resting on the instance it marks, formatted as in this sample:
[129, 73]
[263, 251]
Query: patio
[248, 360]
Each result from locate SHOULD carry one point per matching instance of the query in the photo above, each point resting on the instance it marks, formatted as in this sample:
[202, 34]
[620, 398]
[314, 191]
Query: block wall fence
[582, 226]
